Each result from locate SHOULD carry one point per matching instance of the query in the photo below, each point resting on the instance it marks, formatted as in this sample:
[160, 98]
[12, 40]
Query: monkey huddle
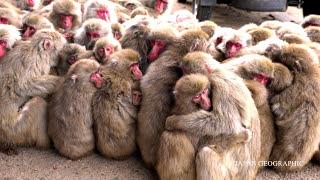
[194, 98]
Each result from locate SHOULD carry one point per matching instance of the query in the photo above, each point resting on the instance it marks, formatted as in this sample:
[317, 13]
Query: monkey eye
[218, 41]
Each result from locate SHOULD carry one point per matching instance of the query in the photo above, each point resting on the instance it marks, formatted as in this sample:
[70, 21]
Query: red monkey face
[3, 48]
[135, 70]
[66, 21]
[28, 31]
[202, 99]
[117, 35]
[30, 3]
[262, 78]
[136, 97]
[161, 5]
[96, 79]
[106, 51]
[72, 59]
[232, 48]
[103, 13]
[4, 20]
[92, 35]
[157, 48]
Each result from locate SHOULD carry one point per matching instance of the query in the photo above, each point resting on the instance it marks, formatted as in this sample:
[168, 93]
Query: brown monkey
[66, 16]
[114, 113]
[290, 28]
[8, 36]
[229, 41]
[296, 110]
[9, 16]
[157, 85]
[313, 33]
[177, 150]
[272, 24]
[139, 11]
[311, 20]
[32, 23]
[208, 27]
[248, 27]
[104, 48]
[159, 6]
[26, 4]
[117, 30]
[100, 9]
[70, 54]
[295, 39]
[24, 77]
[259, 34]
[231, 113]
[70, 119]
[91, 30]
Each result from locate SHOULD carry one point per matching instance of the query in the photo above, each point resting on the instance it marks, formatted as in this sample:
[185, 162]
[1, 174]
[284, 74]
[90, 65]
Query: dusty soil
[36, 164]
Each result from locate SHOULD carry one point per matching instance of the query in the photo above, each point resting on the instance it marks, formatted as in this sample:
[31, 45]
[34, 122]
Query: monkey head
[28, 4]
[272, 24]
[160, 38]
[192, 40]
[259, 34]
[104, 48]
[9, 16]
[229, 41]
[32, 23]
[139, 11]
[298, 58]
[290, 28]
[193, 90]
[311, 20]
[248, 27]
[160, 6]
[198, 62]
[313, 33]
[208, 27]
[81, 69]
[282, 78]
[117, 30]
[71, 53]
[66, 14]
[99, 9]
[8, 36]
[125, 62]
[295, 39]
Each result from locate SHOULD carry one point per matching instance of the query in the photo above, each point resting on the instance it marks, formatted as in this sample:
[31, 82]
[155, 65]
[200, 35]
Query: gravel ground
[35, 164]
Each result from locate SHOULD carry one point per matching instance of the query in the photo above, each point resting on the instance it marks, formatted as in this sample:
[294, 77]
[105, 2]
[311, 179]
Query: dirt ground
[36, 164]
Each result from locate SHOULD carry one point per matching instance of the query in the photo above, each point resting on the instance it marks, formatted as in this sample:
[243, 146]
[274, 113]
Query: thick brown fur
[311, 20]
[102, 42]
[113, 112]
[208, 27]
[177, 150]
[139, 11]
[295, 39]
[24, 77]
[156, 86]
[231, 113]
[70, 124]
[296, 110]
[12, 16]
[313, 33]
[117, 28]
[260, 34]
[10, 34]
[71, 50]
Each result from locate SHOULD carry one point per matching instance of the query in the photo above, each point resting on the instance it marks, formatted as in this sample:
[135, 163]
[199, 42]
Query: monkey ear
[46, 44]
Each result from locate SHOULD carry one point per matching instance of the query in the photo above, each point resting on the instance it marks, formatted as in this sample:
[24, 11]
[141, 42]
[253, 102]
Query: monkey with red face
[104, 48]
[8, 36]
[100, 9]
[34, 22]
[9, 16]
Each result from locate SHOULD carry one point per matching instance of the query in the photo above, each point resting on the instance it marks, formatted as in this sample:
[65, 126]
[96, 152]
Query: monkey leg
[31, 126]
[209, 165]
[176, 156]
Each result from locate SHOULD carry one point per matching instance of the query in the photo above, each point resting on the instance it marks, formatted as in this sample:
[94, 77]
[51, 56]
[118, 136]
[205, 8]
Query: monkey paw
[170, 123]
[277, 110]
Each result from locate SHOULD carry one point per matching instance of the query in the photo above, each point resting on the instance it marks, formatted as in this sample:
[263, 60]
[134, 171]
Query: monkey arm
[38, 86]
[200, 123]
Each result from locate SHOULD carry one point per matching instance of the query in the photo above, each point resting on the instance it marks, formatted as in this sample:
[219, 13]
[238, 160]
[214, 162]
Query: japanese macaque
[290, 28]
[229, 41]
[9, 16]
[69, 117]
[311, 20]
[117, 30]
[248, 27]
[26, 4]
[91, 30]
[8, 36]
[24, 80]
[66, 16]
[70, 54]
[313, 33]
[32, 23]
[208, 27]
[159, 6]
[157, 85]
[104, 48]
[100, 9]
[139, 11]
[272, 24]
[258, 73]
[131, 4]
[231, 113]
[295, 39]
[114, 111]
[177, 150]
[259, 34]
[296, 110]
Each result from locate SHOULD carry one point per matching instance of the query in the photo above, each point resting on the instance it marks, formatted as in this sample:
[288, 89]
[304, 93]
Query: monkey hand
[170, 122]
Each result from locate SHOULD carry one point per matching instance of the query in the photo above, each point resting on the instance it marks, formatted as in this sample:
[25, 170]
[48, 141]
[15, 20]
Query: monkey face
[232, 48]
[72, 59]
[3, 48]
[135, 70]
[105, 52]
[202, 99]
[27, 31]
[103, 13]
[136, 97]
[117, 35]
[4, 20]
[262, 78]
[96, 79]
[66, 21]
[160, 6]
[158, 47]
